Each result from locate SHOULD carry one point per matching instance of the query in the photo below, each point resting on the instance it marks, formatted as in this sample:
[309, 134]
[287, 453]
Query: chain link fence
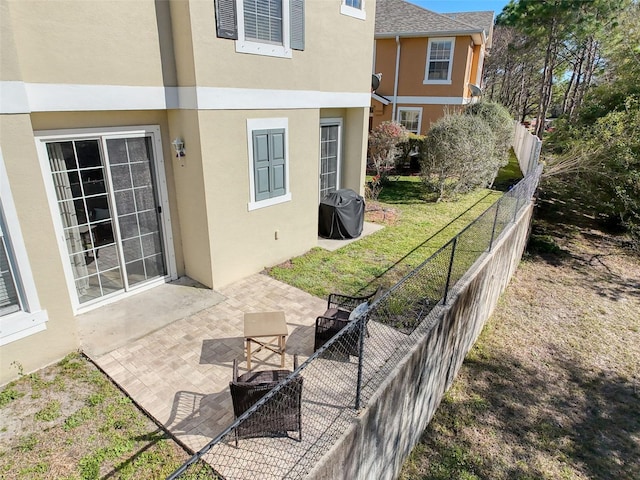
[298, 419]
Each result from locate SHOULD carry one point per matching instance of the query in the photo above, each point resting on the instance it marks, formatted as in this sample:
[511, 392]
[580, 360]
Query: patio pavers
[180, 373]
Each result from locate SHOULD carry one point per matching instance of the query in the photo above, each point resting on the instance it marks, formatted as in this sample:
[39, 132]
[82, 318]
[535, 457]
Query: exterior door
[330, 143]
[108, 203]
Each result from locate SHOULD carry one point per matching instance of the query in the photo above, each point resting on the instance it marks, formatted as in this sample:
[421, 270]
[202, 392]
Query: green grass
[90, 431]
[508, 175]
[384, 257]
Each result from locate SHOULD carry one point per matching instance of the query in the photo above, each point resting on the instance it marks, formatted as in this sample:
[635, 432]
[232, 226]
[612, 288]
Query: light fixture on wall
[178, 145]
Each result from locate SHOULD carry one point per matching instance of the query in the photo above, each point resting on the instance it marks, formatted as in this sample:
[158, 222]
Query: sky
[446, 6]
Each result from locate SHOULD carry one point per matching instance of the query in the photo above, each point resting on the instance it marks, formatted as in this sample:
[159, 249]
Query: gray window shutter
[297, 24]
[226, 19]
[261, 164]
[278, 181]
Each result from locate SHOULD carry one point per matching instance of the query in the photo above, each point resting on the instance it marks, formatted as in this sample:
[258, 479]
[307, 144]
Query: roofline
[479, 36]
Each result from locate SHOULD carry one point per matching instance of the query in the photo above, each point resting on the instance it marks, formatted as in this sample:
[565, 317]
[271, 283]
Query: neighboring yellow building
[144, 140]
[429, 62]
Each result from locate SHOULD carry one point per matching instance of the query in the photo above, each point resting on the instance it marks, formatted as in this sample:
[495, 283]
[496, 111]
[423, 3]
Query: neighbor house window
[262, 27]
[268, 162]
[20, 313]
[439, 60]
[353, 8]
[410, 118]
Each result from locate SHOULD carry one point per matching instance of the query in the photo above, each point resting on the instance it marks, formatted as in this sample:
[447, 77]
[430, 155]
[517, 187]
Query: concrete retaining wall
[393, 421]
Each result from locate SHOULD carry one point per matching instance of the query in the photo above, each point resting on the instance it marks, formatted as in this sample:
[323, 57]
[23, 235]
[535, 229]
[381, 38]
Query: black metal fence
[266, 441]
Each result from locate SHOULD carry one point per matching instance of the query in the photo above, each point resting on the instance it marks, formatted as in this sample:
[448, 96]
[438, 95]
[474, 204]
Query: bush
[459, 155]
[383, 146]
[411, 151]
[502, 125]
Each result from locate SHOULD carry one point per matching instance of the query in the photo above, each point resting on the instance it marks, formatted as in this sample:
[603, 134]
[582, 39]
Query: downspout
[395, 81]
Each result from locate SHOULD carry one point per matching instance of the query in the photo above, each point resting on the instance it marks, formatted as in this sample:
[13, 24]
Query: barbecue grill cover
[341, 215]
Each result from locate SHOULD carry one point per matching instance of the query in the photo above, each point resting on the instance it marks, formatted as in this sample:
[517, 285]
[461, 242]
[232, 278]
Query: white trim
[350, 11]
[13, 97]
[434, 100]
[259, 48]
[329, 122]
[18, 97]
[43, 136]
[31, 319]
[480, 67]
[411, 109]
[426, 80]
[214, 98]
[381, 99]
[265, 124]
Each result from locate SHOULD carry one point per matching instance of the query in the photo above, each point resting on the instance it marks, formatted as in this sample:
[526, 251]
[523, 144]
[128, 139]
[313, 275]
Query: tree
[460, 155]
[548, 22]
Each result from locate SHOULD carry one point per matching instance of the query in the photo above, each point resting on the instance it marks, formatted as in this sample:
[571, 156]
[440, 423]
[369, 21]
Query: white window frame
[258, 48]
[411, 109]
[41, 139]
[353, 11]
[267, 124]
[329, 122]
[426, 69]
[31, 318]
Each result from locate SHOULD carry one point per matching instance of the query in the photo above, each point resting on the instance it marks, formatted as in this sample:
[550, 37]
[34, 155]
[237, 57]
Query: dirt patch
[377, 213]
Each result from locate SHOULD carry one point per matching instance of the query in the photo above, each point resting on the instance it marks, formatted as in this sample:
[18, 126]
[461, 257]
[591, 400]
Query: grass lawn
[414, 229]
[69, 422]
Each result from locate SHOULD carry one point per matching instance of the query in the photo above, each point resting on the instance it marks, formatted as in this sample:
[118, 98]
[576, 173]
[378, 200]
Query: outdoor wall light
[178, 145]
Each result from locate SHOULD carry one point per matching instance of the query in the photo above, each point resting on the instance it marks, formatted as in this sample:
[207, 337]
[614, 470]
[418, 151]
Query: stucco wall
[394, 419]
[243, 241]
[36, 225]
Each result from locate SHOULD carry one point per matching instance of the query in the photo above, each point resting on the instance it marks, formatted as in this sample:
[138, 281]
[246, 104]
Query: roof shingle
[397, 17]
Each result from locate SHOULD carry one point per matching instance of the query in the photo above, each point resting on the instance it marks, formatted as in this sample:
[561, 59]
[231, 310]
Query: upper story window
[20, 312]
[268, 162]
[410, 118]
[353, 8]
[439, 61]
[262, 27]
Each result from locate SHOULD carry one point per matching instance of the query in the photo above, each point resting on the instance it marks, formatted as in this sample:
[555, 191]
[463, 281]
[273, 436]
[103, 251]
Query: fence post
[495, 221]
[362, 327]
[453, 253]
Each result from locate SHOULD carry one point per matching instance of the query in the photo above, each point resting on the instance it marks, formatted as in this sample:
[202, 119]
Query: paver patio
[180, 374]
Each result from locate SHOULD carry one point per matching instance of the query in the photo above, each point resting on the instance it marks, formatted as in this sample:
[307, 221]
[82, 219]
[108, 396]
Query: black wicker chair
[339, 309]
[276, 418]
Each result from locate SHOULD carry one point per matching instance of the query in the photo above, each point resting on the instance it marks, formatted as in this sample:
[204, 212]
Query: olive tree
[460, 155]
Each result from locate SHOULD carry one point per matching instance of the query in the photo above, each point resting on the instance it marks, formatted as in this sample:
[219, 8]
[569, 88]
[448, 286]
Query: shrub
[383, 146]
[459, 155]
[502, 125]
[411, 150]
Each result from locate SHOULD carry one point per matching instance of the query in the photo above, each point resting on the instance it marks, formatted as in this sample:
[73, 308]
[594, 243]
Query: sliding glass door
[108, 204]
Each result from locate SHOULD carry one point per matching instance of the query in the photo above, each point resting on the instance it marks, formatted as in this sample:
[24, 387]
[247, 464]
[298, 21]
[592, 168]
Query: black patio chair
[278, 416]
[341, 309]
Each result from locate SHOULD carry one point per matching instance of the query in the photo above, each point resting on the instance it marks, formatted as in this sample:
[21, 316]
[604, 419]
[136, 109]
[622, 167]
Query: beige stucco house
[429, 62]
[145, 140]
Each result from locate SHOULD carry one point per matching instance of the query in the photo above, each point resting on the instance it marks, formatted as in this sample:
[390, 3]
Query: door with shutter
[110, 209]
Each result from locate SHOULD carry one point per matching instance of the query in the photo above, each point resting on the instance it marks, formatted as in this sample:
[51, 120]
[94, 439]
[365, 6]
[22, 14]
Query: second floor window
[439, 60]
[263, 20]
[353, 8]
[262, 27]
